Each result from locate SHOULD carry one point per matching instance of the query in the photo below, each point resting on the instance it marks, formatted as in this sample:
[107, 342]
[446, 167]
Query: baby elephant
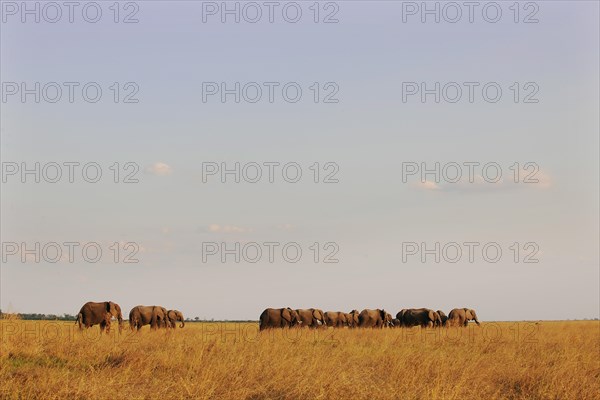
[174, 316]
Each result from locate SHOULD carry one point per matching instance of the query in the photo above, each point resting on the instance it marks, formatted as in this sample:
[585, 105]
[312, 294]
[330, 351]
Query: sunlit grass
[548, 360]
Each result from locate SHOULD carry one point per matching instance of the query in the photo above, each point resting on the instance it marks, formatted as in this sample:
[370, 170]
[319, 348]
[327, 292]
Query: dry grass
[549, 360]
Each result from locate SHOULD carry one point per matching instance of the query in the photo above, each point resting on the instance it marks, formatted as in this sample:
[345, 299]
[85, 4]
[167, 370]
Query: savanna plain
[503, 360]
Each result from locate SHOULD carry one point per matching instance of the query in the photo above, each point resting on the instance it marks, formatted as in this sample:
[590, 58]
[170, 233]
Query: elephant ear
[431, 315]
[469, 313]
[382, 313]
[286, 314]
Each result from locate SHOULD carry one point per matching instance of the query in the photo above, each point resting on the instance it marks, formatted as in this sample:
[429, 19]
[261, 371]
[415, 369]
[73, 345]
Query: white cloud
[286, 227]
[525, 179]
[216, 228]
[543, 179]
[427, 185]
[159, 169]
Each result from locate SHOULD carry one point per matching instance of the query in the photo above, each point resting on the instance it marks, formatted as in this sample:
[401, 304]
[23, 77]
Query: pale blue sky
[369, 133]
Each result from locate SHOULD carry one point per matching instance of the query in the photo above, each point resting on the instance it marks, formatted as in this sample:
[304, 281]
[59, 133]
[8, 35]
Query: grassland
[546, 360]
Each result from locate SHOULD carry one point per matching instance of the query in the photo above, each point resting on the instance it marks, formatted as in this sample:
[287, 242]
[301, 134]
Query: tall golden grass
[547, 360]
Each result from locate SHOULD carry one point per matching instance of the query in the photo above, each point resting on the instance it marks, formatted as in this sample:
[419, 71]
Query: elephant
[400, 316]
[337, 319]
[423, 317]
[396, 323]
[173, 316]
[461, 317]
[279, 318]
[312, 317]
[352, 318]
[92, 313]
[374, 318]
[155, 316]
[389, 319]
[443, 317]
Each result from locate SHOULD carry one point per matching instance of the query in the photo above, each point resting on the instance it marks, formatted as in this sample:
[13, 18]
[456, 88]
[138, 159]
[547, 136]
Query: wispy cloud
[427, 185]
[286, 227]
[525, 179]
[159, 169]
[216, 228]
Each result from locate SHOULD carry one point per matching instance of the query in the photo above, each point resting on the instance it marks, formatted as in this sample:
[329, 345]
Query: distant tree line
[198, 319]
[69, 317]
[35, 316]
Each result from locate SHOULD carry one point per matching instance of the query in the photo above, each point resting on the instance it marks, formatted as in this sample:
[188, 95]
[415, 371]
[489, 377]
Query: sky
[165, 116]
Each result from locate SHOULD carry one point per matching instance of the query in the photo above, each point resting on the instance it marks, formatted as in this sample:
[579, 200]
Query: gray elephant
[174, 316]
[311, 317]
[336, 319]
[155, 316]
[374, 319]
[352, 318]
[423, 317]
[461, 317]
[92, 313]
[279, 318]
[443, 317]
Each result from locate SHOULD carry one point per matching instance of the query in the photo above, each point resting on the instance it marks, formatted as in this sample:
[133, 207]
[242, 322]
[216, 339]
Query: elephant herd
[379, 318]
[101, 314]
[159, 317]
